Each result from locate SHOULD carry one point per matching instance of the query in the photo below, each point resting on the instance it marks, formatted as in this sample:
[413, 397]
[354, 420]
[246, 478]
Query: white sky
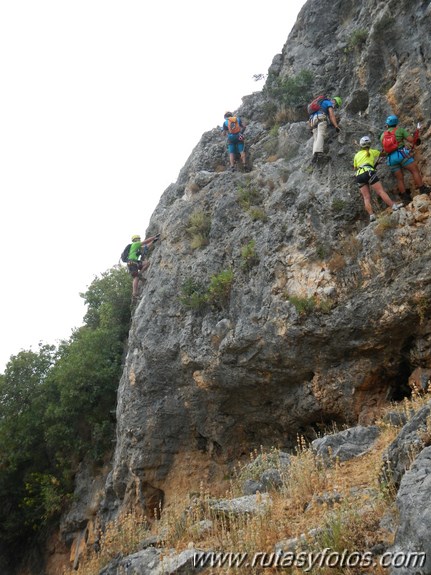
[101, 104]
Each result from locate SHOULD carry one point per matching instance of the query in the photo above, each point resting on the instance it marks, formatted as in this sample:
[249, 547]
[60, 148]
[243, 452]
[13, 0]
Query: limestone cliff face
[327, 316]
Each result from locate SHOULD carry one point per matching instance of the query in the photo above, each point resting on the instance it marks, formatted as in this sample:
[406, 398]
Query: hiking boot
[396, 207]
[424, 189]
[232, 169]
[372, 218]
[317, 156]
[406, 198]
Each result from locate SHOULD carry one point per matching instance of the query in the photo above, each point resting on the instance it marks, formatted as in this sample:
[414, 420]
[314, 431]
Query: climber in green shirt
[364, 164]
[136, 261]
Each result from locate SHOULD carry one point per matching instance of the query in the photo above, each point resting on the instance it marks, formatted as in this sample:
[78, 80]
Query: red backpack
[390, 142]
[314, 106]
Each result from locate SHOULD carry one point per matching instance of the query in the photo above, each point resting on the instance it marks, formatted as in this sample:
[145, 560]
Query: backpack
[390, 142]
[233, 125]
[125, 253]
[314, 106]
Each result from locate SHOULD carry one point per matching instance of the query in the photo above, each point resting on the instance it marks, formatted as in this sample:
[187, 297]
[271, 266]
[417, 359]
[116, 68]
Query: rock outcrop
[415, 515]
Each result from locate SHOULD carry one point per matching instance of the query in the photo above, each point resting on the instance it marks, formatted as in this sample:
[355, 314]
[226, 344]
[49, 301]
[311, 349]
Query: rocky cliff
[272, 307]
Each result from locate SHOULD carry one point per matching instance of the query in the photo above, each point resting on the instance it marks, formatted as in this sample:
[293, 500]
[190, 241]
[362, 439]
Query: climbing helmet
[392, 120]
[365, 142]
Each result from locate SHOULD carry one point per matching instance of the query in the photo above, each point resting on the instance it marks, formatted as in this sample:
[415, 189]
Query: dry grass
[198, 229]
[272, 158]
[336, 263]
[384, 223]
[350, 246]
[120, 537]
[345, 502]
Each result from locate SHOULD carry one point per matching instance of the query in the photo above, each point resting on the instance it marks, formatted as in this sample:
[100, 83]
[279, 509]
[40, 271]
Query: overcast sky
[102, 102]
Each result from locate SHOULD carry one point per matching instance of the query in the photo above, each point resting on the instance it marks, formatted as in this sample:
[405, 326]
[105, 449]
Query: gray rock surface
[405, 447]
[154, 561]
[245, 505]
[413, 501]
[329, 318]
[345, 444]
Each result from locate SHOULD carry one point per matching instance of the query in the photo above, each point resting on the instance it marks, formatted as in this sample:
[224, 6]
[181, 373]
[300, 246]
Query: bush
[288, 92]
[198, 229]
[248, 196]
[303, 305]
[357, 39]
[193, 294]
[249, 256]
[220, 287]
[258, 214]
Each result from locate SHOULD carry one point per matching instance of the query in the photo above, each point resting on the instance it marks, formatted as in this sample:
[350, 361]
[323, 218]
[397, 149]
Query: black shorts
[368, 177]
[134, 267]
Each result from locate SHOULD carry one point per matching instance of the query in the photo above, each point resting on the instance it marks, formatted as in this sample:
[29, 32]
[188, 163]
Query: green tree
[108, 301]
[56, 409]
[84, 383]
[22, 447]
[84, 380]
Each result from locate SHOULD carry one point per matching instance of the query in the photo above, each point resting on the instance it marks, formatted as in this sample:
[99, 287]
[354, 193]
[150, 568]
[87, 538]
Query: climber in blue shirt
[234, 128]
[319, 120]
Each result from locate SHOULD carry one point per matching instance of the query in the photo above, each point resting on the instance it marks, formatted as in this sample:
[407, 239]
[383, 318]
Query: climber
[136, 261]
[364, 164]
[321, 114]
[233, 128]
[399, 156]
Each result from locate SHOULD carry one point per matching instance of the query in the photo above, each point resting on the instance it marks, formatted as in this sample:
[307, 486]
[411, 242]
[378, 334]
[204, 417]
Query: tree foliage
[56, 409]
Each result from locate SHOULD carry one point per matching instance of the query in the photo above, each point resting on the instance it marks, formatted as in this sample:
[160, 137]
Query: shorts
[367, 178]
[235, 147]
[399, 159]
[134, 267]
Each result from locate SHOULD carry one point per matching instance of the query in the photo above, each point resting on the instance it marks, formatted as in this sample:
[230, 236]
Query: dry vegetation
[345, 503]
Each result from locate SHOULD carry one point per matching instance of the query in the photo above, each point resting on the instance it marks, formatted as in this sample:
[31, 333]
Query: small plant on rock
[338, 205]
[249, 256]
[357, 39]
[198, 229]
[384, 223]
[290, 90]
[220, 288]
[248, 196]
[303, 305]
[193, 294]
[258, 214]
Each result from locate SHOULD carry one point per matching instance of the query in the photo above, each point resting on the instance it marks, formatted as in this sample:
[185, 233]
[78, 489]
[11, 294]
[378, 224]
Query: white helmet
[365, 142]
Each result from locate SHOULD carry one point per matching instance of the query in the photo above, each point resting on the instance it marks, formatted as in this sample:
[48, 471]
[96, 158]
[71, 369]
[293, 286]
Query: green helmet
[338, 101]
